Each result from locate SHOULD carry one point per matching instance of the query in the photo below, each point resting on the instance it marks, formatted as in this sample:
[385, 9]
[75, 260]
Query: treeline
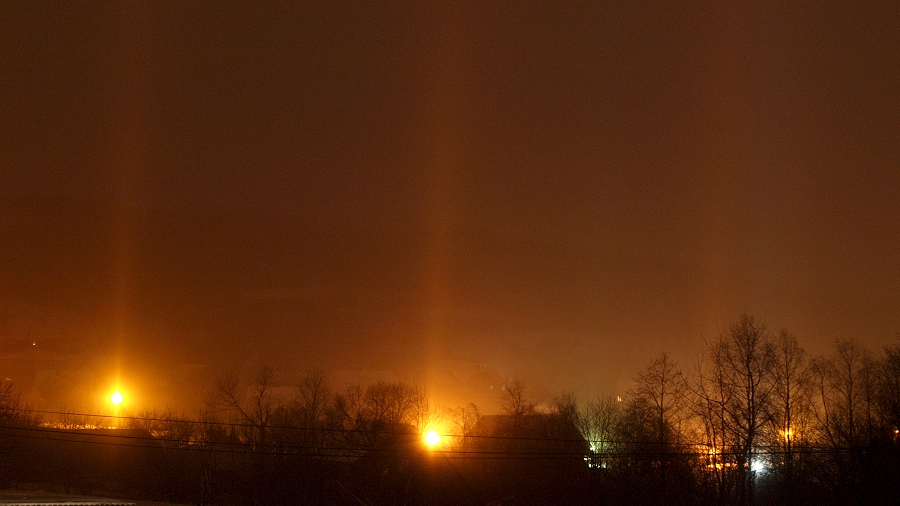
[255, 442]
[755, 421]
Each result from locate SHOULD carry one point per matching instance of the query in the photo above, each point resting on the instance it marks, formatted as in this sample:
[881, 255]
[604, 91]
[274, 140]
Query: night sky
[558, 192]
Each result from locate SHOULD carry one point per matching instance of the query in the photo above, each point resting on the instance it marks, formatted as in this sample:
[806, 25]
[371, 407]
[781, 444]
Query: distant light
[432, 438]
[116, 398]
[758, 466]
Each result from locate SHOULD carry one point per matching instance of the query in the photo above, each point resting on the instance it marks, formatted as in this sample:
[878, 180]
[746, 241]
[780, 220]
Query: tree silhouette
[737, 394]
[514, 403]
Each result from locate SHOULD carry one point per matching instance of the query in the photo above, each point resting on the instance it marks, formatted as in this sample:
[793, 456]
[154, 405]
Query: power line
[288, 427]
[282, 449]
[281, 441]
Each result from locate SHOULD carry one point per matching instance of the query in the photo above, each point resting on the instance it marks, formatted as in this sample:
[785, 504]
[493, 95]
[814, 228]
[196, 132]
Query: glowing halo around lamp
[116, 398]
[432, 438]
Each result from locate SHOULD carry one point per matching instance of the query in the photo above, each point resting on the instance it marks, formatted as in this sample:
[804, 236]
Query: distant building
[540, 436]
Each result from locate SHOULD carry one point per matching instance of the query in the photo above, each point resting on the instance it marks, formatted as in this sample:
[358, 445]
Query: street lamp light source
[432, 438]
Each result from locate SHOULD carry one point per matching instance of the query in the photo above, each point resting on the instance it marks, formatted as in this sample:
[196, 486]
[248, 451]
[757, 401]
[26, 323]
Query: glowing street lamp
[432, 438]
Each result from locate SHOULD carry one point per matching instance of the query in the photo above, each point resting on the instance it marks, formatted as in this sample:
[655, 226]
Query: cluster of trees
[312, 418]
[10, 416]
[756, 420]
[255, 442]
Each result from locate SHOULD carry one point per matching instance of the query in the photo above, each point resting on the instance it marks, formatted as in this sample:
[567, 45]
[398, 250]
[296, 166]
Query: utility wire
[111, 439]
[283, 443]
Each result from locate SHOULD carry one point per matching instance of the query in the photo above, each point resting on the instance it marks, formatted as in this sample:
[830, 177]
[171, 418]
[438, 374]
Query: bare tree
[514, 402]
[737, 394]
[169, 427]
[709, 394]
[845, 411]
[792, 406]
[464, 420]
[888, 392]
[424, 413]
[365, 415]
[842, 381]
[652, 427]
[10, 416]
[310, 407]
[10, 404]
[254, 403]
[390, 402]
[351, 411]
[68, 419]
[212, 431]
[598, 422]
[660, 393]
[312, 398]
[565, 407]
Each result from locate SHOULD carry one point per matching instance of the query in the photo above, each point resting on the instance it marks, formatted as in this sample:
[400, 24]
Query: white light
[432, 438]
[757, 466]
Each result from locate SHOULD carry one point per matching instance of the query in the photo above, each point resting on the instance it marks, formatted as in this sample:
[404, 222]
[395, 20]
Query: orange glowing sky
[552, 192]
